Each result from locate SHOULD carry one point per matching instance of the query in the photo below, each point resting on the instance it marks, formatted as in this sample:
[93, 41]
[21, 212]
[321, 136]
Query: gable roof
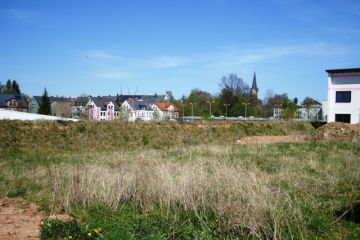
[102, 102]
[140, 104]
[163, 106]
[4, 98]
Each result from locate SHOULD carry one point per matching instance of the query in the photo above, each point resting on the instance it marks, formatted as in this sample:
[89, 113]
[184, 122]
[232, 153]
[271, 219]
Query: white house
[137, 110]
[344, 95]
[165, 111]
[102, 109]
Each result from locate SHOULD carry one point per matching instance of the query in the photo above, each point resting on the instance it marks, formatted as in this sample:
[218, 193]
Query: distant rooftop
[344, 70]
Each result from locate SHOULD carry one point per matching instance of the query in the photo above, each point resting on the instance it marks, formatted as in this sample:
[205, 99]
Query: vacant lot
[167, 180]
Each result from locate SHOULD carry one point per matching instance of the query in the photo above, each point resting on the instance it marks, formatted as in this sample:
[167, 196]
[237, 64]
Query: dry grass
[243, 200]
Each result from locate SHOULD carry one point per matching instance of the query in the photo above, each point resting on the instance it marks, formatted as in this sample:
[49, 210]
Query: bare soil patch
[19, 219]
[273, 139]
[340, 132]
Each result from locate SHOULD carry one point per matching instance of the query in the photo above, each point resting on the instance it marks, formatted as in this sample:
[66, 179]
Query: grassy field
[184, 181]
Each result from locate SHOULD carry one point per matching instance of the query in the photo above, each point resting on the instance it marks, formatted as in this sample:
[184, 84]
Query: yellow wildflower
[89, 234]
[70, 237]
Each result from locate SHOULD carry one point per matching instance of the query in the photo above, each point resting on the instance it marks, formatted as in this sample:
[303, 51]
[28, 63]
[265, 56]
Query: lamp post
[226, 109]
[210, 102]
[192, 111]
[246, 104]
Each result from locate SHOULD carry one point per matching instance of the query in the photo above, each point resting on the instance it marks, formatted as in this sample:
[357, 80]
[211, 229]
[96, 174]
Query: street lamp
[226, 109]
[192, 111]
[246, 104]
[210, 102]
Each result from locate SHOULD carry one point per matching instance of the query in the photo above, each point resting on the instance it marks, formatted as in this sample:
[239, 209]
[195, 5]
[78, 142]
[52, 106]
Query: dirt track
[19, 219]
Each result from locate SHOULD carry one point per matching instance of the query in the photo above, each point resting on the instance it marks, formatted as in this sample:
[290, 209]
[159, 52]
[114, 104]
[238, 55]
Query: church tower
[254, 88]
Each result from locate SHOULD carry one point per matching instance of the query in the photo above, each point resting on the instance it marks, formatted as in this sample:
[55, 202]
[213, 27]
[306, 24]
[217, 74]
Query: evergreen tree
[15, 88]
[45, 107]
[8, 87]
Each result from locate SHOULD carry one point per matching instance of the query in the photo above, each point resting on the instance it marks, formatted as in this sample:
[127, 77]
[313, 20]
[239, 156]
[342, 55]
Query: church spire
[254, 85]
[254, 88]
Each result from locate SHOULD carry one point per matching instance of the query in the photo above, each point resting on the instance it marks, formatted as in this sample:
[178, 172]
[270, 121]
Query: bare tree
[234, 85]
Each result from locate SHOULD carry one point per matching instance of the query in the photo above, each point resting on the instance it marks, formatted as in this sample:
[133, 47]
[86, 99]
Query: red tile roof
[163, 106]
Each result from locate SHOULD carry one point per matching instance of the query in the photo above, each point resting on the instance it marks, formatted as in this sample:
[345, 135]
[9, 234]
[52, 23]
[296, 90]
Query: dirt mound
[19, 219]
[273, 139]
[341, 132]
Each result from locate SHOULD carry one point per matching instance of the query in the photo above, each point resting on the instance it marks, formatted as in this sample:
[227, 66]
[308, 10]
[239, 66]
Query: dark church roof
[254, 85]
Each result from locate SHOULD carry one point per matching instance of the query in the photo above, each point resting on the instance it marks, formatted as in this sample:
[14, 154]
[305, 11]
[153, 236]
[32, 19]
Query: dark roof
[102, 102]
[148, 98]
[121, 98]
[344, 70]
[4, 98]
[141, 105]
[81, 101]
[254, 85]
[153, 98]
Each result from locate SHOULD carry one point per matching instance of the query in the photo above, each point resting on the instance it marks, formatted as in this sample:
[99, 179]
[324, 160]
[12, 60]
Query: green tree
[8, 87]
[308, 102]
[197, 101]
[15, 88]
[234, 91]
[280, 101]
[45, 107]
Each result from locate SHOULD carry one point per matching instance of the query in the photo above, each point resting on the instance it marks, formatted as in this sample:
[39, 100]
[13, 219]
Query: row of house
[131, 108]
[125, 107]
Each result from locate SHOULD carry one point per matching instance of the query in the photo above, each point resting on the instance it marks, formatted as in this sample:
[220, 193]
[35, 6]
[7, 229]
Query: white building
[344, 95]
[137, 110]
[102, 109]
[165, 111]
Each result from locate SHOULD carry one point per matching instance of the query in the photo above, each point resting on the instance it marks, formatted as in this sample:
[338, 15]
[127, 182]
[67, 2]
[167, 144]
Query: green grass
[173, 181]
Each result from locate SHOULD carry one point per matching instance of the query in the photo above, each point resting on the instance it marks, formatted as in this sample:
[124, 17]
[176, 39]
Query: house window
[345, 118]
[343, 96]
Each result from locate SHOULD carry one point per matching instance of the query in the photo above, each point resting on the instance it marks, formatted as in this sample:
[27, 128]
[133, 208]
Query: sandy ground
[19, 219]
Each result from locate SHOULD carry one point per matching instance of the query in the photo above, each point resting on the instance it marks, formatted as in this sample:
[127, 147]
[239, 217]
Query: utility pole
[226, 109]
[210, 102]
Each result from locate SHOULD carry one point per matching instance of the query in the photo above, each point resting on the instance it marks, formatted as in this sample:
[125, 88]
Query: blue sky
[108, 47]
